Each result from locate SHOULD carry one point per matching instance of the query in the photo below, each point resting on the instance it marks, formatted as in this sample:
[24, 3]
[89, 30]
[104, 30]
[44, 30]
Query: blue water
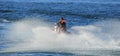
[76, 14]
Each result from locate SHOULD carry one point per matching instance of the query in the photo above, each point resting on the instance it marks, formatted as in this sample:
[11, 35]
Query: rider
[62, 24]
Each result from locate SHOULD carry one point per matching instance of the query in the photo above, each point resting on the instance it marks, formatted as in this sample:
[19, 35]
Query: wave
[4, 20]
[6, 11]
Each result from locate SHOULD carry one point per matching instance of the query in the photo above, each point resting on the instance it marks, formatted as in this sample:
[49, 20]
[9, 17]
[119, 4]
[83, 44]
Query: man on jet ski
[63, 25]
[60, 26]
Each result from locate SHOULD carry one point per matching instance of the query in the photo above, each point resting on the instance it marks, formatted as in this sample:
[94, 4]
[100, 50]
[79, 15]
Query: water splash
[35, 35]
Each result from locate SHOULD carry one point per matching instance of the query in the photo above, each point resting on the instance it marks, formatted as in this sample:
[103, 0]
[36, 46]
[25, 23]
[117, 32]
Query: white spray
[32, 35]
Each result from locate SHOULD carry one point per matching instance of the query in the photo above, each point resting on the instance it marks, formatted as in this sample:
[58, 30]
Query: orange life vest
[62, 21]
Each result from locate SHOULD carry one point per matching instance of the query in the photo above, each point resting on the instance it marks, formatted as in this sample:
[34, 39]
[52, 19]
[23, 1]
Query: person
[62, 25]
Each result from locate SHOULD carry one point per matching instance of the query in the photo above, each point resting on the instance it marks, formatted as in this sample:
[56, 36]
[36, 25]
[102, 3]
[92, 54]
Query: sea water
[26, 29]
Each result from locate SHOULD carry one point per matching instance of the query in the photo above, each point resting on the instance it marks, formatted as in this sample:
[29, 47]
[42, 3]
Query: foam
[32, 35]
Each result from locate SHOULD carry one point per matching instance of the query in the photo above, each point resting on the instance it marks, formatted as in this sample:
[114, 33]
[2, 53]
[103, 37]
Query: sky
[63, 0]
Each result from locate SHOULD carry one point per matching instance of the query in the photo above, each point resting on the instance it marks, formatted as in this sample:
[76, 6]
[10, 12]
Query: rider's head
[62, 18]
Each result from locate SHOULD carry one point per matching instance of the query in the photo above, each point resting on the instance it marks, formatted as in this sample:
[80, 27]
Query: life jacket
[62, 21]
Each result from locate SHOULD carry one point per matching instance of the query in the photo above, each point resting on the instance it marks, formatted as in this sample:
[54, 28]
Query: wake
[35, 35]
